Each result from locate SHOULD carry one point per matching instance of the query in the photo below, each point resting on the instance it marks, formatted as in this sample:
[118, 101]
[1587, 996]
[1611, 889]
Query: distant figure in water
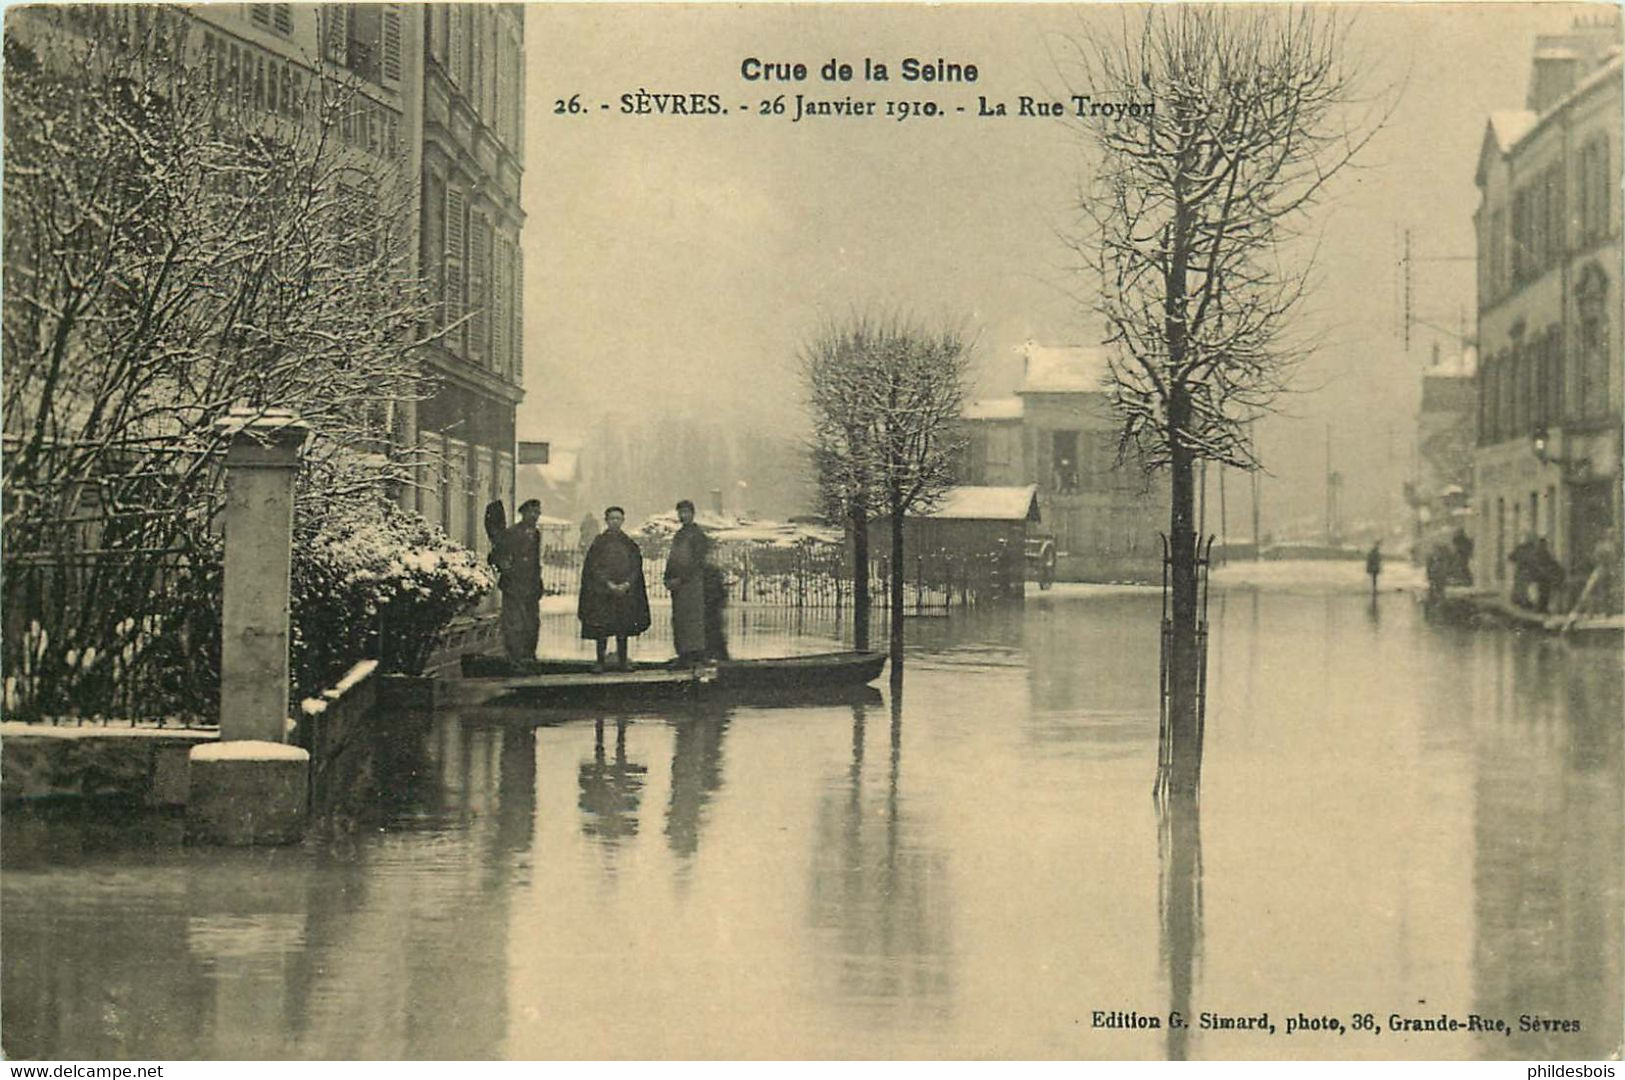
[1373, 564]
[613, 602]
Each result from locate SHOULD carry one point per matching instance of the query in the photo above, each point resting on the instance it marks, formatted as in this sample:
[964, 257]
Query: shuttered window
[499, 305]
[391, 65]
[479, 278]
[519, 321]
[454, 253]
[335, 27]
[459, 45]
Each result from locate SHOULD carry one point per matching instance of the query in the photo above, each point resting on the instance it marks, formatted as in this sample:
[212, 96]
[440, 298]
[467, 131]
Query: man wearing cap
[518, 559]
[614, 601]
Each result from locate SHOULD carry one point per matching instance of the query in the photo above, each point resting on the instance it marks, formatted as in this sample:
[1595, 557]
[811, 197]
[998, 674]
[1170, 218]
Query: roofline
[1615, 64]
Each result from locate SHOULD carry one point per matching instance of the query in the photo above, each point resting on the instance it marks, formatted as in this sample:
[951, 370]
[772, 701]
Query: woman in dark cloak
[614, 602]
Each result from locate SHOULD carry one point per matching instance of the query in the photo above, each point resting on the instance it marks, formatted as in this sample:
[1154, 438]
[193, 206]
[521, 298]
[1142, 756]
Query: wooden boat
[798, 675]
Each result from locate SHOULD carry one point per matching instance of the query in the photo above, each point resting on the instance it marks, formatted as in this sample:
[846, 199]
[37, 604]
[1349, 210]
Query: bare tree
[174, 249]
[885, 397]
[178, 244]
[1196, 211]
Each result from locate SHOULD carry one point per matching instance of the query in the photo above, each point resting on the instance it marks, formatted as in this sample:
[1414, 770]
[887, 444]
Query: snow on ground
[1299, 575]
[1082, 590]
[1319, 576]
[248, 750]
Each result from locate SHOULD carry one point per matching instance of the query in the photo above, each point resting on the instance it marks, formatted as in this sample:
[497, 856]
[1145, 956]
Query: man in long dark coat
[614, 601]
[518, 559]
[685, 578]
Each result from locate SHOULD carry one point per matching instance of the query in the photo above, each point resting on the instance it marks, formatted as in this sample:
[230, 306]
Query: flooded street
[1396, 818]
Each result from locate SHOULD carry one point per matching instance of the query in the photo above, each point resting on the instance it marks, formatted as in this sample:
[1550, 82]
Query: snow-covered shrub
[372, 580]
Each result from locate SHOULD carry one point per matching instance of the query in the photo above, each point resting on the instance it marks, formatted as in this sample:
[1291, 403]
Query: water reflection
[1179, 907]
[1547, 806]
[611, 790]
[696, 773]
[516, 791]
[1416, 811]
[882, 896]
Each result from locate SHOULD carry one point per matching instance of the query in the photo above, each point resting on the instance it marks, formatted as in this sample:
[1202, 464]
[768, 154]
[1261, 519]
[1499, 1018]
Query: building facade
[1447, 432]
[472, 123]
[1059, 433]
[1547, 457]
[438, 99]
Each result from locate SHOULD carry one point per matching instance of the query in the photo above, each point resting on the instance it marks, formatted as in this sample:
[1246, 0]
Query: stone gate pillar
[260, 467]
[250, 788]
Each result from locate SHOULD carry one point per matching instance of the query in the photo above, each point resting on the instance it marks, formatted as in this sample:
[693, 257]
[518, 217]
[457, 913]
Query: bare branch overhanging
[1251, 121]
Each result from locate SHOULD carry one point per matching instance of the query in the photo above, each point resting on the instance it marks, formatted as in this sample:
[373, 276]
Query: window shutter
[336, 33]
[391, 66]
[282, 18]
[519, 320]
[459, 45]
[477, 60]
[499, 305]
[479, 279]
[454, 266]
[260, 13]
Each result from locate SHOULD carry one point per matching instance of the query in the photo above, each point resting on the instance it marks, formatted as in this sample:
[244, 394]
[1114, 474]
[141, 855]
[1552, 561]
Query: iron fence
[816, 576]
[110, 591]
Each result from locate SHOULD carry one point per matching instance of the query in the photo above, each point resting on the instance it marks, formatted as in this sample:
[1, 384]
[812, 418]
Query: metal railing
[819, 576]
[110, 592]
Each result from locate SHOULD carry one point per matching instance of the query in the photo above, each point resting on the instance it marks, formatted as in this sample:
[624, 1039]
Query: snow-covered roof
[724, 529]
[1009, 408]
[1063, 369]
[1511, 125]
[968, 503]
[1462, 365]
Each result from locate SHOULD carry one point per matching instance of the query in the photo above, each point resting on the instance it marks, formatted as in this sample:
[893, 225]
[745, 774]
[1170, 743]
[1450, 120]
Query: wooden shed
[975, 532]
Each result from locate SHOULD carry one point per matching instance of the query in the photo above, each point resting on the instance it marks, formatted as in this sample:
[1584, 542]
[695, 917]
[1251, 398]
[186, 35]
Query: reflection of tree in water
[696, 773]
[881, 894]
[1179, 907]
[1547, 832]
[611, 791]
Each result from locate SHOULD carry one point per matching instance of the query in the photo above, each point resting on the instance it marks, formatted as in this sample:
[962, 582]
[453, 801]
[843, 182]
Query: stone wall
[143, 765]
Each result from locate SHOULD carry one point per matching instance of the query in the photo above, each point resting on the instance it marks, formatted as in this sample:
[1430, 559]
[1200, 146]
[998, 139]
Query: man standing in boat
[517, 556]
[685, 578]
[613, 602]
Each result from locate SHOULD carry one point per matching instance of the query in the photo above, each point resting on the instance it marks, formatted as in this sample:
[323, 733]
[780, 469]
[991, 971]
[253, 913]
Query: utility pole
[1329, 475]
[1252, 439]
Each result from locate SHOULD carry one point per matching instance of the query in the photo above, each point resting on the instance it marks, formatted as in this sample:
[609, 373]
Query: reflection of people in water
[610, 791]
[696, 773]
[516, 789]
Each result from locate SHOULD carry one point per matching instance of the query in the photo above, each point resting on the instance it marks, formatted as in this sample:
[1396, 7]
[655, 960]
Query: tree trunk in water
[897, 575]
[860, 579]
[1184, 659]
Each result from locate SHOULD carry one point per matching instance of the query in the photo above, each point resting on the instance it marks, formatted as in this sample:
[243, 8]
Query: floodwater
[1398, 820]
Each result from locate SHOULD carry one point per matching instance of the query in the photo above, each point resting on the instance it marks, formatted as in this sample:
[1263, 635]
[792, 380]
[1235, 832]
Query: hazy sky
[677, 262]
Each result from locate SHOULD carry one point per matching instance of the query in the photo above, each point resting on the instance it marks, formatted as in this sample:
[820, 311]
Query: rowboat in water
[794, 675]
